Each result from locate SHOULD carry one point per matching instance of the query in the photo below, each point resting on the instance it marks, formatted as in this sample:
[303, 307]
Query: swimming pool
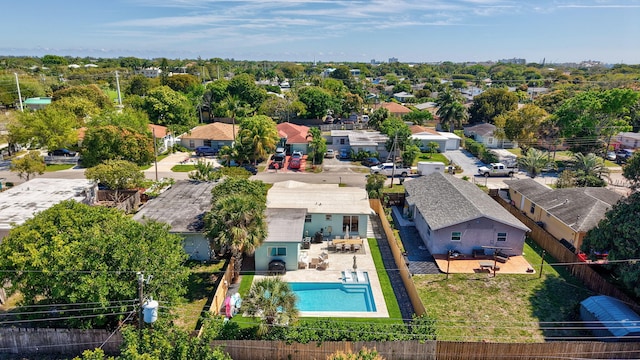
[334, 297]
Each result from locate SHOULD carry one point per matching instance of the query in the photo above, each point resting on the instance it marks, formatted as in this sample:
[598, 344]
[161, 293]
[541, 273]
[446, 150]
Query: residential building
[628, 140]
[358, 140]
[294, 137]
[152, 72]
[445, 140]
[20, 203]
[484, 133]
[296, 210]
[215, 135]
[395, 109]
[37, 103]
[403, 96]
[452, 214]
[183, 207]
[567, 214]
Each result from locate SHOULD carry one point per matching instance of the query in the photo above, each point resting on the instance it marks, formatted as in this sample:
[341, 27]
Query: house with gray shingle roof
[453, 214]
[567, 214]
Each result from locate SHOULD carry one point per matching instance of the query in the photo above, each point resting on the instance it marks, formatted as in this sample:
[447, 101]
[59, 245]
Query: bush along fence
[581, 270]
[480, 151]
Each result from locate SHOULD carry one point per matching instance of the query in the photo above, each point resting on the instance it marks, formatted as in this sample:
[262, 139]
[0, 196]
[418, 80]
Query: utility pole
[19, 95]
[141, 282]
[393, 159]
[542, 263]
[118, 89]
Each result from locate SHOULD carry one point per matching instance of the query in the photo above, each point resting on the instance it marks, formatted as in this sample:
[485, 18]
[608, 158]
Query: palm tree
[317, 146]
[258, 137]
[589, 169]
[451, 111]
[233, 105]
[273, 301]
[534, 161]
[236, 225]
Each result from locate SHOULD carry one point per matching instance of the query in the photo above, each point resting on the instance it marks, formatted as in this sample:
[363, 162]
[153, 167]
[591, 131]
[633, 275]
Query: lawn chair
[323, 265]
[314, 263]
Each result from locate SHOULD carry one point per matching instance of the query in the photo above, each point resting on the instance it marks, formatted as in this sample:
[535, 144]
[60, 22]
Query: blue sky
[327, 30]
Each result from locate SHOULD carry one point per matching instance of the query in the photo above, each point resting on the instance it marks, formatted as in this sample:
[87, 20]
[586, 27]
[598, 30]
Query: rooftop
[214, 131]
[318, 198]
[285, 225]
[295, 134]
[182, 206]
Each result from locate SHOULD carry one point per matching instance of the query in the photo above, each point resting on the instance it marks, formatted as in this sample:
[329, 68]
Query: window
[192, 144]
[490, 141]
[278, 251]
[307, 218]
[341, 141]
[456, 236]
[502, 236]
[533, 208]
[207, 143]
[327, 217]
[351, 222]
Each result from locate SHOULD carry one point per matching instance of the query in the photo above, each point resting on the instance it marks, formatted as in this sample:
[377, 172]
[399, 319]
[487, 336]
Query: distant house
[164, 138]
[485, 134]
[296, 210]
[403, 96]
[452, 214]
[567, 214]
[215, 135]
[395, 109]
[183, 207]
[37, 103]
[628, 140]
[20, 203]
[295, 137]
[358, 140]
[445, 140]
[151, 72]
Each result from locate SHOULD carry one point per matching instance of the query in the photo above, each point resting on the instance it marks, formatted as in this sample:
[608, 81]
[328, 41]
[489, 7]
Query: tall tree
[451, 111]
[90, 92]
[29, 165]
[115, 143]
[273, 301]
[589, 170]
[619, 235]
[490, 104]
[117, 175]
[76, 253]
[170, 108]
[50, 127]
[631, 171]
[317, 145]
[317, 101]
[521, 125]
[258, 137]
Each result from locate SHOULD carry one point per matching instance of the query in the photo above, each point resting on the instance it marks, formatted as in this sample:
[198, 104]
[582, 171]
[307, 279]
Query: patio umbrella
[355, 266]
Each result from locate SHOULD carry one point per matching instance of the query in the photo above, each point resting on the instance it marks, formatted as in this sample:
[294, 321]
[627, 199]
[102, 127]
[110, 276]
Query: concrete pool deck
[339, 262]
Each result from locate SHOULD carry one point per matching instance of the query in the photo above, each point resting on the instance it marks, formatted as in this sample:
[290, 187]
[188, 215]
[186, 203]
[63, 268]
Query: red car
[294, 163]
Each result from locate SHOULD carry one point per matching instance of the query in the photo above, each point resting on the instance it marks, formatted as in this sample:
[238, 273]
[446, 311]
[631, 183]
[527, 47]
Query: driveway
[467, 162]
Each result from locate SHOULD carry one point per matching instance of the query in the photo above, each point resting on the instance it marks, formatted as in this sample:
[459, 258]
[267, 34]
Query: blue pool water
[335, 297]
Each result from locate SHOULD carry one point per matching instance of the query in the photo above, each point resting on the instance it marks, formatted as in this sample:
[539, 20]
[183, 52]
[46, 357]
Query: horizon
[413, 31]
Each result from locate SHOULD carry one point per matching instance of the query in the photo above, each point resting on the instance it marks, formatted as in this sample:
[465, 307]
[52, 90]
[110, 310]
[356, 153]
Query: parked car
[205, 151]
[496, 169]
[295, 163]
[250, 168]
[62, 152]
[345, 153]
[277, 159]
[611, 155]
[330, 154]
[280, 150]
[623, 155]
[389, 169]
[296, 154]
[370, 161]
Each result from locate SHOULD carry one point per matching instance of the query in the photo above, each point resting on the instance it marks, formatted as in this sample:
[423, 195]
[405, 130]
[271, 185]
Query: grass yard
[58, 167]
[396, 189]
[200, 288]
[435, 157]
[183, 168]
[507, 308]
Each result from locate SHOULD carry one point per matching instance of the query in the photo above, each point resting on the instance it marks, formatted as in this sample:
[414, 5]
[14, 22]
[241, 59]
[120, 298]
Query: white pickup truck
[388, 169]
[496, 169]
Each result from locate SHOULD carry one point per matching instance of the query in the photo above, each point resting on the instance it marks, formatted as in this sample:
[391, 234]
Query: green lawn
[397, 188]
[200, 288]
[507, 308]
[58, 167]
[183, 168]
[436, 157]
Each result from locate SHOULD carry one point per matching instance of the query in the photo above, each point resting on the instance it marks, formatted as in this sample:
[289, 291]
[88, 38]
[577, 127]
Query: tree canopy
[619, 235]
[168, 107]
[116, 175]
[76, 253]
[521, 125]
[317, 101]
[258, 137]
[90, 92]
[111, 142]
[29, 165]
[50, 127]
[490, 104]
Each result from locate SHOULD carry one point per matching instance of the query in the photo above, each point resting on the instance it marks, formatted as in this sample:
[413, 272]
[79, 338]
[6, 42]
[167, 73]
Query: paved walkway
[406, 308]
[420, 259]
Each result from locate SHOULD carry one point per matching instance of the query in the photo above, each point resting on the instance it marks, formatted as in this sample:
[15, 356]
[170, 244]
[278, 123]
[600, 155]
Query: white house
[484, 133]
[358, 140]
[628, 140]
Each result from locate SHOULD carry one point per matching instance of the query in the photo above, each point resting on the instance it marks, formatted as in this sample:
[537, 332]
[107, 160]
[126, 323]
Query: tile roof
[160, 131]
[393, 108]
[214, 131]
[295, 134]
[445, 200]
[580, 208]
[415, 129]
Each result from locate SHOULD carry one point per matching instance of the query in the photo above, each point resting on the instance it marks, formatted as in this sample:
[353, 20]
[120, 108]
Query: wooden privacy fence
[221, 291]
[401, 265]
[410, 350]
[57, 341]
[581, 270]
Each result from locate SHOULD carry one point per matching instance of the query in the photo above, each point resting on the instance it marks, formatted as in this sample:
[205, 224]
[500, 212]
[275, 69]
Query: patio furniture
[331, 246]
[356, 248]
[314, 263]
[353, 248]
[323, 256]
[323, 265]
[348, 276]
[486, 264]
[360, 276]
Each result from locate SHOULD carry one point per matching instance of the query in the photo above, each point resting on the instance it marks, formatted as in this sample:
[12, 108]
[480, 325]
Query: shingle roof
[295, 134]
[483, 129]
[580, 208]
[182, 206]
[215, 131]
[285, 225]
[445, 200]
